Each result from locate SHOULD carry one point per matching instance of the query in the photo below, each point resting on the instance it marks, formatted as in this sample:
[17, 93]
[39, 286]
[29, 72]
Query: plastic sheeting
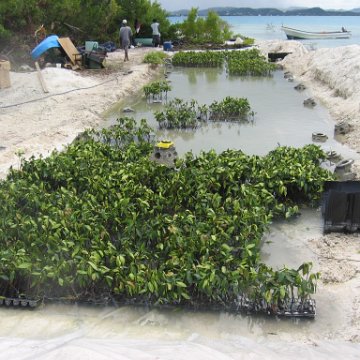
[126, 333]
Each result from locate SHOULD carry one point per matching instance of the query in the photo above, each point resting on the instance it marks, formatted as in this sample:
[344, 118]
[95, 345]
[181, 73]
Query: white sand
[50, 121]
[332, 75]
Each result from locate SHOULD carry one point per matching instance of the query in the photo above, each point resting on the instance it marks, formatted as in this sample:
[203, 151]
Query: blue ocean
[269, 27]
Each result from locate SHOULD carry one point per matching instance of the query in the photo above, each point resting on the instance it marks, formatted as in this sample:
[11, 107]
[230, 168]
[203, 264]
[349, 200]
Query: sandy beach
[34, 123]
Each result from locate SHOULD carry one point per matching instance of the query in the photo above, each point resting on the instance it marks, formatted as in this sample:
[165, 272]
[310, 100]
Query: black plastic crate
[341, 206]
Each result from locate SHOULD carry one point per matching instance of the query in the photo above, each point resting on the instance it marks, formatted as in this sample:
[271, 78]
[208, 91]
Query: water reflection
[192, 79]
[200, 74]
[280, 117]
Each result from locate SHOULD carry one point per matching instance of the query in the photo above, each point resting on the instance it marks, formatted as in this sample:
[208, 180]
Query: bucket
[4, 74]
[167, 45]
[91, 45]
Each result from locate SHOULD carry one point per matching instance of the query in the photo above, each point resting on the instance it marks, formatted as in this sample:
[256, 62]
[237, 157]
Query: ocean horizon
[269, 27]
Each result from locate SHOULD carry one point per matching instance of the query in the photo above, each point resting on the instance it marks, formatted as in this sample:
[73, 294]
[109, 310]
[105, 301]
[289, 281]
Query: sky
[280, 4]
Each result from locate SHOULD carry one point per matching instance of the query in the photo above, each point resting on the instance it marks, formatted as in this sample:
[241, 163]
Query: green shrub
[248, 62]
[199, 58]
[230, 108]
[199, 30]
[244, 62]
[155, 57]
[157, 88]
[101, 219]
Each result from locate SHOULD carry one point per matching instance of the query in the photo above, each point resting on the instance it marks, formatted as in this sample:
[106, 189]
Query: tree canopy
[211, 28]
[80, 19]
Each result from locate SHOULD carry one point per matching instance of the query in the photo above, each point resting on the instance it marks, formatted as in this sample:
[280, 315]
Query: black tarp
[341, 206]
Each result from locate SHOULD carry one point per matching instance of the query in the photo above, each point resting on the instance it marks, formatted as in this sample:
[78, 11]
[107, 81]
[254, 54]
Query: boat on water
[294, 34]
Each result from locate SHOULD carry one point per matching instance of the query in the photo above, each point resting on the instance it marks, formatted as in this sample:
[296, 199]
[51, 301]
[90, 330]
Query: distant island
[246, 11]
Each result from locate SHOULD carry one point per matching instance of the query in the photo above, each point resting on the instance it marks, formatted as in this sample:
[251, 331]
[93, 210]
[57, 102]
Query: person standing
[125, 38]
[155, 33]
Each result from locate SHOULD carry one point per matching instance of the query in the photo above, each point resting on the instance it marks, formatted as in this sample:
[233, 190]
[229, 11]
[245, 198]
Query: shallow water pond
[280, 116]
[280, 119]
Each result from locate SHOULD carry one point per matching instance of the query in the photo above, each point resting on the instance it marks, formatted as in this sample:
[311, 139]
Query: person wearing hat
[125, 38]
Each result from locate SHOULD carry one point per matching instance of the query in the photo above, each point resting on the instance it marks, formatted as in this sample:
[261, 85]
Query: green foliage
[244, 62]
[4, 34]
[24, 17]
[230, 109]
[248, 62]
[156, 88]
[198, 30]
[179, 114]
[79, 19]
[248, 41]
[195, 58]
[155, 57]
[145, 11]
[101, 218]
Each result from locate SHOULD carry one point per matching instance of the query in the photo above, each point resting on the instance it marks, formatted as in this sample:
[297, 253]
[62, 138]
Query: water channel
[280, 116]
[79, 332]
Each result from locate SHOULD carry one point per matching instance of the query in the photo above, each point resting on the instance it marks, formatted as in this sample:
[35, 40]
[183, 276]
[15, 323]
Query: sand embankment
[333, 77]
[42, 121]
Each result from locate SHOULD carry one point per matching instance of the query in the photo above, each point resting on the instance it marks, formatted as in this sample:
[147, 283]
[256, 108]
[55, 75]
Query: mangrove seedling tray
[305, 308]
[19, 302]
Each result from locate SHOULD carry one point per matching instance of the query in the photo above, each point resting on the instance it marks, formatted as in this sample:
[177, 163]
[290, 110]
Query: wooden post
[4, 74]
[42, 81]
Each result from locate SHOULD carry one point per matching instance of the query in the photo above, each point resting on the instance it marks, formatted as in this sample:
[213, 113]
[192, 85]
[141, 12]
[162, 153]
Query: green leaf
[25, 265]
[185, 295]
[93, 266]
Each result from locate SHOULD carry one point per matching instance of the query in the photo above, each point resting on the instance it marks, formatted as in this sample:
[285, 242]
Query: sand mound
[35, 123]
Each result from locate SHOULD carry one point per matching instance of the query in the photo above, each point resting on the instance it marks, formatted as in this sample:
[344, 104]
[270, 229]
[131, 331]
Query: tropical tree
[145, 11]
[203, 30]
[79, 19]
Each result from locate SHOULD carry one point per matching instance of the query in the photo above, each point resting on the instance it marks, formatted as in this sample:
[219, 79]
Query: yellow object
[165, 144]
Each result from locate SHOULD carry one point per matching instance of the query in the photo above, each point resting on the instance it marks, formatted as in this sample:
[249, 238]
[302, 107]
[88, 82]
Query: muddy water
[78, 332]
[71, 332]
[280, 116]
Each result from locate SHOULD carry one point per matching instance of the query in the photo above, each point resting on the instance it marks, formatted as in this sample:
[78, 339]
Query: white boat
[294, 34]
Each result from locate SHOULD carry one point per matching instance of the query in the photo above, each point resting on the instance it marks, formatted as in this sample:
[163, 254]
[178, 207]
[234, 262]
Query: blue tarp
[48, 43]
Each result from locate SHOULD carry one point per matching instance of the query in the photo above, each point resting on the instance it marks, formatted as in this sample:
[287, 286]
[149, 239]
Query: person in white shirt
[155, 33]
